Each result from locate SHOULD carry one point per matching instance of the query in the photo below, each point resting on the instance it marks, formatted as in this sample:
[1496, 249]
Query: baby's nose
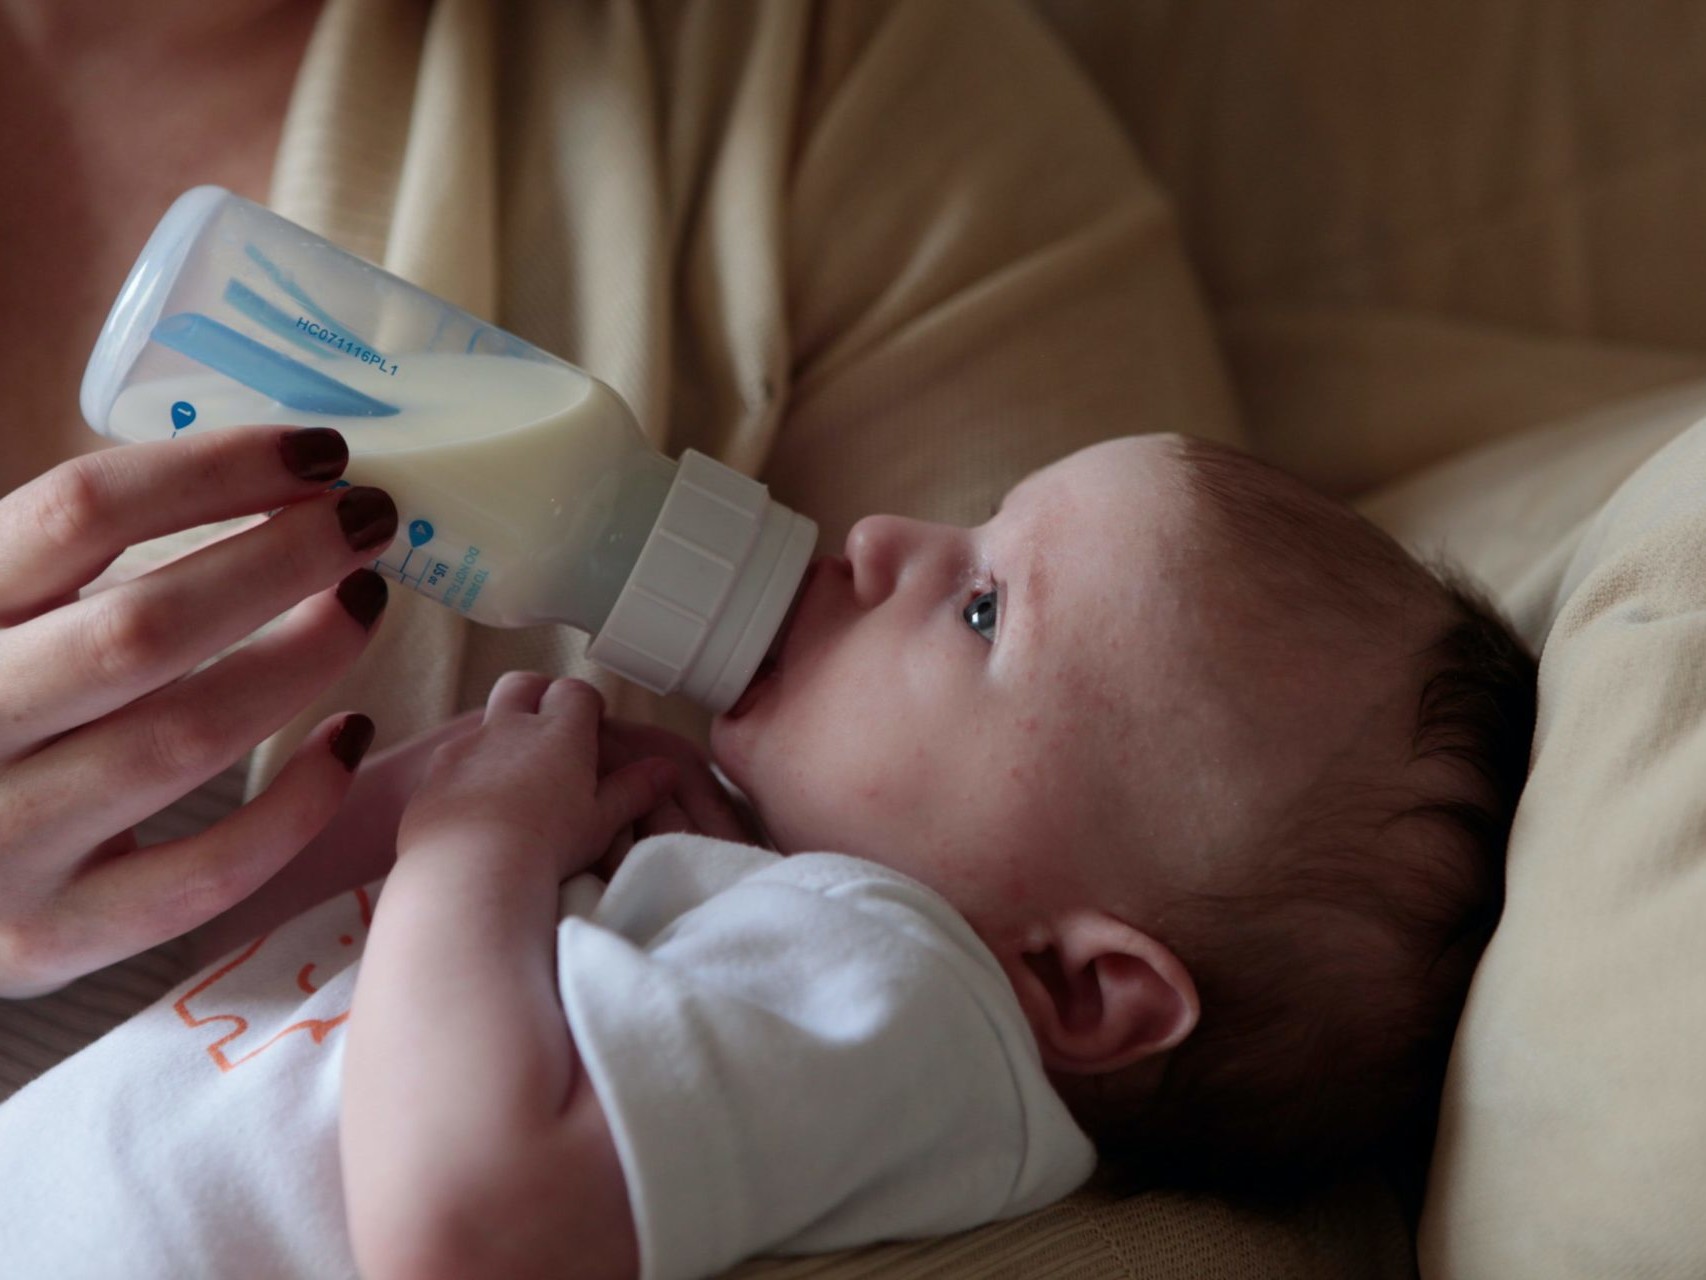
[877, 548]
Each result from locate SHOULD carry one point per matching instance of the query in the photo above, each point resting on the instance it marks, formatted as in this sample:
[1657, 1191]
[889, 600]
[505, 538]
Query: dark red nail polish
[351, 739]
[368, 517]
[314, 453]
[363, 595]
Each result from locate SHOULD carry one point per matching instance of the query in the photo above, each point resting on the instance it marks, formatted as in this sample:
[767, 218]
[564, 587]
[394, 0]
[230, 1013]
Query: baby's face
[980, 708]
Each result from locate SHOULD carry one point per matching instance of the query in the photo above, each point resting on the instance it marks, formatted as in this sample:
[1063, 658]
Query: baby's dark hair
[1333, 973]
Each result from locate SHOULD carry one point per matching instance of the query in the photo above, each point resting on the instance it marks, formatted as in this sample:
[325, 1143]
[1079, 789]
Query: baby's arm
[472, 1141]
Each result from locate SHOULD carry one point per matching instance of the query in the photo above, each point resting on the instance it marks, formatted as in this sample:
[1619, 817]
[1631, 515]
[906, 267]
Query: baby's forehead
[1134, 463]
[1201, 583]
[1177, 493]
[1119, 498]
[1166, 550]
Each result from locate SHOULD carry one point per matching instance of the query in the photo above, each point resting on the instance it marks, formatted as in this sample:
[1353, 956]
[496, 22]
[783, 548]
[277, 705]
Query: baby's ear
[1099, 994]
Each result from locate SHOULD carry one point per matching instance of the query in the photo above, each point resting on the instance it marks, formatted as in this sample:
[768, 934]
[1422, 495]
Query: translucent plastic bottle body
[525, 490]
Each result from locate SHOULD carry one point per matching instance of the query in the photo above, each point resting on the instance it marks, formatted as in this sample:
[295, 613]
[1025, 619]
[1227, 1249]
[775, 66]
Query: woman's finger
[516, 692]
[113, 773]
[75, 664]
[123, 905]
[64, 527]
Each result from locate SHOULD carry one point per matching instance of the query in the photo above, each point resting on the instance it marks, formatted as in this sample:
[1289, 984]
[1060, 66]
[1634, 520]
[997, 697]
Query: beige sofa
[1439, 256]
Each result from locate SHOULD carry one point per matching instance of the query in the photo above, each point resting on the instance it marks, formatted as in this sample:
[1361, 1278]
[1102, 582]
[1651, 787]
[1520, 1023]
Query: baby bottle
[524, 489]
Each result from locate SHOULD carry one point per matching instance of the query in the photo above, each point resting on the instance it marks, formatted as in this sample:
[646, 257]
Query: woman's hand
[525, 785]
[104, 719]
[358, 846]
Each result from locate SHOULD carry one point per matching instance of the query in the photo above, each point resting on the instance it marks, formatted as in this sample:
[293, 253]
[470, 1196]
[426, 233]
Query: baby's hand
[526, 781]
[699, 803]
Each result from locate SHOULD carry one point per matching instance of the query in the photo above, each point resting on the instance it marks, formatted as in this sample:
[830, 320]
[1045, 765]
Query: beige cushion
[1573, 1141]
[1512, 512]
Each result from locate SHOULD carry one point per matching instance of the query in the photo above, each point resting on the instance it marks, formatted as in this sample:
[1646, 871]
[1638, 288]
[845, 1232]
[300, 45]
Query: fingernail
[368, 517]
[351, 739]
[314, 453]
[363, 595]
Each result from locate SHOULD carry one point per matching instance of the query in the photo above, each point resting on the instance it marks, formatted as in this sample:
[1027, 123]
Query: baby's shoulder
[715, 865]
[855, 883]
[699, 874]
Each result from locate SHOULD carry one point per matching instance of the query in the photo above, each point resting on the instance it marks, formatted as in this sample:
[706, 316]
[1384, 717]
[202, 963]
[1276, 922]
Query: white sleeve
[804, 1054]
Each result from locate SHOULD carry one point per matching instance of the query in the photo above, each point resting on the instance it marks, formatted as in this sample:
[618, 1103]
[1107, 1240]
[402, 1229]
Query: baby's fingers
[576, 700]
[576, 707]
[701, 803]
[516, 692]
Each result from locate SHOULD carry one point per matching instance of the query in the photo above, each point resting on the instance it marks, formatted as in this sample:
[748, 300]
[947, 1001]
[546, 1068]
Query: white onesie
[795, 1055]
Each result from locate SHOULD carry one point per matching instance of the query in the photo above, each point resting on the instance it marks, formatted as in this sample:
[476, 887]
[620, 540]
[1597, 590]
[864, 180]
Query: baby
[1167, 811]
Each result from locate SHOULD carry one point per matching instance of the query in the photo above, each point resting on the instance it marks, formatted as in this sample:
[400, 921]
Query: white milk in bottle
[521, 497]
[525, 491]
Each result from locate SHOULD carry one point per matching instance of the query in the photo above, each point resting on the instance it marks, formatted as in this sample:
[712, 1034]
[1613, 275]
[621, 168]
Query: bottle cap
[710, 588]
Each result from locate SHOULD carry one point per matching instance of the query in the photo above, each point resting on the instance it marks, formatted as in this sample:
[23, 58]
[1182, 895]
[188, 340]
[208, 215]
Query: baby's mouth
[770, 665]
[767, 667]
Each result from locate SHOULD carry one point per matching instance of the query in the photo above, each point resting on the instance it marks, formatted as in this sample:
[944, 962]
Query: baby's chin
[728, 753]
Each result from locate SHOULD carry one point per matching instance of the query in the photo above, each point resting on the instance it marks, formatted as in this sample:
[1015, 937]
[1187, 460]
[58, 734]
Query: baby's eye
[981, 613]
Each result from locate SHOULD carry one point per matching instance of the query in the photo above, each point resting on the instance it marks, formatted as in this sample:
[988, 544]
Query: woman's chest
[84, 196]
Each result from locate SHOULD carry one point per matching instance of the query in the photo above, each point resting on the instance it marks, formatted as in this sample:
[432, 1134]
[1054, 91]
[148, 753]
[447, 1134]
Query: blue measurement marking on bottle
[420, 533]
[246, 300]
[183, 413]
[288, 283]
[275, 375]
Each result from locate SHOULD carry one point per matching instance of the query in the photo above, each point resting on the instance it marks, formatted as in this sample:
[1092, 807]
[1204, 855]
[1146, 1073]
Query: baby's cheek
[870, 790]
[804, 806]
[888, 795]
[1014, 888]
